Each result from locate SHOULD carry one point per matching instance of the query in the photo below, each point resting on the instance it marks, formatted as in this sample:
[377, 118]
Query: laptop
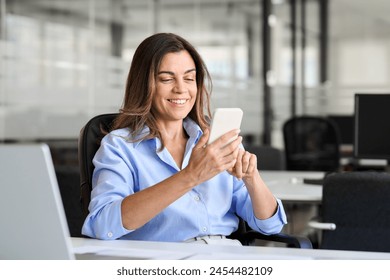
[32, 218]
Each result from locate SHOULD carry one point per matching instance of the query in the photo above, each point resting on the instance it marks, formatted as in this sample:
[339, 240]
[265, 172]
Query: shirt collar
[192, 128]
[138, 138]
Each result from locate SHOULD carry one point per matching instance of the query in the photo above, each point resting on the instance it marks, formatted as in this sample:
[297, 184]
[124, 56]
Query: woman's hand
[245, 167]
[209, 160]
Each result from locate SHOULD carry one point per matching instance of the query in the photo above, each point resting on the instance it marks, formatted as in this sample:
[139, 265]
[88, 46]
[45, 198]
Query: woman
[155, 178]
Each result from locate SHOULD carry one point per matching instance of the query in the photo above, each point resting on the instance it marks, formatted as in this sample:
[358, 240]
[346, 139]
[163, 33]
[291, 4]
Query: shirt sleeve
[113, 180]
[244, 209]
[273, 224]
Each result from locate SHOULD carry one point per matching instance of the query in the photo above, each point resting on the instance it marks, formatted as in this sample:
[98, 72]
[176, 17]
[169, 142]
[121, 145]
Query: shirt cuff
[109, 225]
[275, 223]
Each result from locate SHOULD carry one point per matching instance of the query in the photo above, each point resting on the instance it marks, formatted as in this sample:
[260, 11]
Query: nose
[180, 86]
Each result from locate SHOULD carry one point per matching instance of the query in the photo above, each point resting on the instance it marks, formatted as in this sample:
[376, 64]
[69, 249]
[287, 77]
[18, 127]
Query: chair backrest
[89, 142]
[311, 143]
[268, 158]
[358, 203]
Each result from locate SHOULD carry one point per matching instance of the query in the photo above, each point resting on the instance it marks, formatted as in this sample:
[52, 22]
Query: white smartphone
[224, 120]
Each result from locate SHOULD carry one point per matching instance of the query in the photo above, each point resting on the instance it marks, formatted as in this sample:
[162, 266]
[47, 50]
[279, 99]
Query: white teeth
[178, 101]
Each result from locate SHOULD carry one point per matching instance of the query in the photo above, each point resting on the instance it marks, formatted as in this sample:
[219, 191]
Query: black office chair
[311, 143]
[89, 142]
[355, 212]
[268, 157]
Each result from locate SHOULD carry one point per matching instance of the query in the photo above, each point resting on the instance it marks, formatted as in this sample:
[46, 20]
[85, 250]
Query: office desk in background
[301, 200]
[117, 249]
[289, 186]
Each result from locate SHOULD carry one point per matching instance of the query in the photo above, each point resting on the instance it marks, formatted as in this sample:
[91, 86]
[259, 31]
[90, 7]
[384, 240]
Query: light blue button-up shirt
[123, 168]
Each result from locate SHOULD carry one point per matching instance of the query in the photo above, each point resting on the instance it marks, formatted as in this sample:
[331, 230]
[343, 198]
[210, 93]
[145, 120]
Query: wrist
[252, 181]
[189, 178]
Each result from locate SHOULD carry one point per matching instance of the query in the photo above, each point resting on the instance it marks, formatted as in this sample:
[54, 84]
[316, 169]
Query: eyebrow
[172, 73]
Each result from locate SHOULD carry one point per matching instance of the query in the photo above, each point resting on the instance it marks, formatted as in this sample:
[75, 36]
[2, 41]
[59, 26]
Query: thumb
[204, 138]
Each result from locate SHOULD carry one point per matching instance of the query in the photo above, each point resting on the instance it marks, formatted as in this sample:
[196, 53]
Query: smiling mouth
[178, 101]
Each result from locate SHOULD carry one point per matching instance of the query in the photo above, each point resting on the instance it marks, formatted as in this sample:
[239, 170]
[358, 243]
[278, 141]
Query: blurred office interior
[65, 61]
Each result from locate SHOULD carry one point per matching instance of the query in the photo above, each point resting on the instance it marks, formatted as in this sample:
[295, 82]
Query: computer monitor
[345, 124]
[372, 126]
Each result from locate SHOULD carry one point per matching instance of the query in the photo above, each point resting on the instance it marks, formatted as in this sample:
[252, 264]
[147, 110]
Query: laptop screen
[32, 217]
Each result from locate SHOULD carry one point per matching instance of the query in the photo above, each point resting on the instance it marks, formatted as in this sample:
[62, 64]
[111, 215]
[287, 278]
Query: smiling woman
[164, 59]
[176, 89]
[155, 178]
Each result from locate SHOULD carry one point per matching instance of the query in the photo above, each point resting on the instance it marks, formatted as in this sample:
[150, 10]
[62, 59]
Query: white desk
[170, 250]
[289, 187]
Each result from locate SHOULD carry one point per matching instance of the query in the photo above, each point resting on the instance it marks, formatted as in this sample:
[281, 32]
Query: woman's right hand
[208, 160]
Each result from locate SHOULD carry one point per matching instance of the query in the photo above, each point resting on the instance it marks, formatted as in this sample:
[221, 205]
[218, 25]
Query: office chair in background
[268, 157]
[355, 212]
[89, 142]
[311, 143]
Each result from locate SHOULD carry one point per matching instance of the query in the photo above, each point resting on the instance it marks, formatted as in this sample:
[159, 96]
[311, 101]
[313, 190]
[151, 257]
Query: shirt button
[109, 234]
[204, 229]
[196, 198]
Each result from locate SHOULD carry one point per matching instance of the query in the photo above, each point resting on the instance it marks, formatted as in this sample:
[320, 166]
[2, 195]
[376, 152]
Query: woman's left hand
[263, 201]
[245, 167]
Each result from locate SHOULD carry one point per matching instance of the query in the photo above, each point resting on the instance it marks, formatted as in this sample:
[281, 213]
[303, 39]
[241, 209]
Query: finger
[203, 139]
[228, 159]
[246, 161]
[238, 166]
[230, 167]
[232, 148]
[252, 167]
[227, 138]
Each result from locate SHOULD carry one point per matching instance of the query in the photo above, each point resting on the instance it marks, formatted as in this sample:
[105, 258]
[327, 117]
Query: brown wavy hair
[141, 85]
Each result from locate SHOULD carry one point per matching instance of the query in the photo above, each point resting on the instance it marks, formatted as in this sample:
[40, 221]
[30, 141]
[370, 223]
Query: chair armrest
[290, 240]
[321, 226]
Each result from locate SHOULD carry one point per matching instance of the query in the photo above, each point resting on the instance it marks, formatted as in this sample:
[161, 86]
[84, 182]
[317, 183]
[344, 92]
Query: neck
[172, 131]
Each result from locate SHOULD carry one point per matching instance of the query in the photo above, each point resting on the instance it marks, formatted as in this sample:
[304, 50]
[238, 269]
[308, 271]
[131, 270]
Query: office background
[62, 62]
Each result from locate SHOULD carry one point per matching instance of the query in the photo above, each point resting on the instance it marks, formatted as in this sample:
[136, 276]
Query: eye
[166, 79]
[190, 79]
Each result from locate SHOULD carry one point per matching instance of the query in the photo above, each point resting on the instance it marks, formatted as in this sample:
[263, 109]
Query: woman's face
[175, 87]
